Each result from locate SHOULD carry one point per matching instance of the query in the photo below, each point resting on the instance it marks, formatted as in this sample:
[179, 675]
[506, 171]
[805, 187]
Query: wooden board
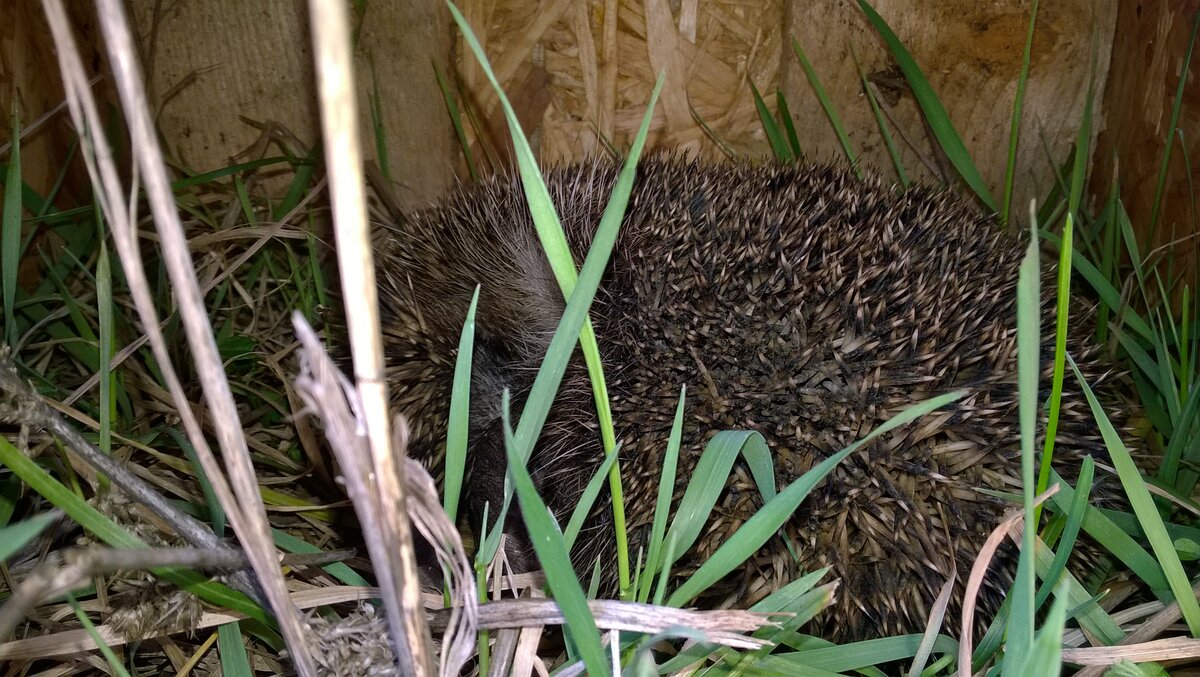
[971, 53]
[211, 63]
[1150, 44]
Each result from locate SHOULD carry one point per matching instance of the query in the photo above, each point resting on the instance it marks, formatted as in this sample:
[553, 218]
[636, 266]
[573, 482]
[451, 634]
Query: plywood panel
[971, 52]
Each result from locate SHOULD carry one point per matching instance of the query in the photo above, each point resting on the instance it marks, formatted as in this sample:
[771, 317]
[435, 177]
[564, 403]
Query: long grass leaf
[767, 521]
[847, 657]
[38, 480]
[880, 120]
[1146, 511]
[707, 482]
[109, 655]
[789, 125]
[234, 661]
[562, 264]
[827, 105]
[1176, 110]
[1021, 616]
[587, 499]
[1045, 656]
[460, 414]
[662, 505]
[579, 624]
[1010, 169]
[104, 310]
[779, 145]
[378, 128]
[14, 537]
[1061, 314]
[935, 114]
[1074, 522]
[456, 120]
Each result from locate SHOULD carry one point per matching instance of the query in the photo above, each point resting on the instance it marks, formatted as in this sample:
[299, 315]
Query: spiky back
[800, 302]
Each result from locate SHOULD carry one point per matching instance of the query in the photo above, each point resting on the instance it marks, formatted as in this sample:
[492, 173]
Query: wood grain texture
[211, 62]
[971, 53]
[1148, 51]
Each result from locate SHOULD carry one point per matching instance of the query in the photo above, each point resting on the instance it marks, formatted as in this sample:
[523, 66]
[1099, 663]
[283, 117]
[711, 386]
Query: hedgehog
[798, 301]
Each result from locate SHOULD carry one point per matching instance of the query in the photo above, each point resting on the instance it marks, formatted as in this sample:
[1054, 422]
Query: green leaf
[459, 422]
[13, 538]
[935, 114]
[767, 521]
[579, 625]
[779, 146]
[105, 529]
[662, 506]
[827, 105]
[1147, 513]
[109, 655]
[1014, 134]
[234, 661]
[562, 263]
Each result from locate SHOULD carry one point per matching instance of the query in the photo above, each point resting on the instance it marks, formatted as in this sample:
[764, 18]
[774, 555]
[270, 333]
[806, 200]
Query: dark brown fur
[800, 302]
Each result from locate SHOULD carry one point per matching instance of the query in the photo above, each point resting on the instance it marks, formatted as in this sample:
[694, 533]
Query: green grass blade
[234, 661]
[935, 114]
[1014, 134]
[779, 145]
[726, 150]
[1109, 295]
[379, 130]
[1182, 456]
[579, 625]
[1063, 297]
[1146, 511]
[338, 570]
[109, 655]
[216, 513]
[562, 263]
[1061, 313]
[456, 120]
[39, 481]
[706, 484]
[662, 505]
[1066, 543]
[880, 120]
[13, 538]
[104, 309]
[460, 414]
[789, 125]
[854, 656]
[1021, 616]
[827, 105]
[586, 500]
[1045, 656]
[1088, 613]
[1113, 539]
[767, 521]
[1185, 371]
[299, 185]
[1108, 258]
[10, 232]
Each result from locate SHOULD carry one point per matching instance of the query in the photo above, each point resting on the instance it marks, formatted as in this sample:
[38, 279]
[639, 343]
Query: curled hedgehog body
[799, 302]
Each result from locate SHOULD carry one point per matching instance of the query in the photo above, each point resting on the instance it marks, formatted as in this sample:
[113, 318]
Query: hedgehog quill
[800, 302]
